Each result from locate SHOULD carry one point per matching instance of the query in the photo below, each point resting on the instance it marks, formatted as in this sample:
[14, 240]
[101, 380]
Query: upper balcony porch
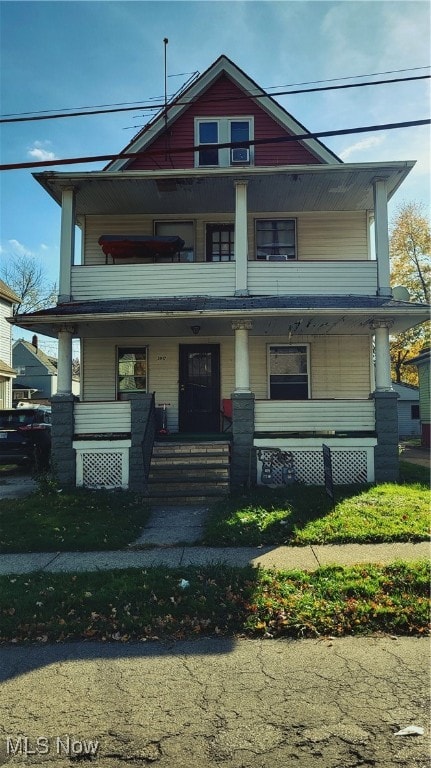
[345, 197]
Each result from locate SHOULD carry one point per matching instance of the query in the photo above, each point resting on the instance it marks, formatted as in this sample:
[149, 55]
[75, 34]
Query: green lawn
[302, 514]
[79, 520]
[158, 603]
[82, 520]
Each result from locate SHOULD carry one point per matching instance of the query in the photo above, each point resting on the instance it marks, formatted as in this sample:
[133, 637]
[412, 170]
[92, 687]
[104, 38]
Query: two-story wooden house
[226, 256]
[36, 372]
[8, 298]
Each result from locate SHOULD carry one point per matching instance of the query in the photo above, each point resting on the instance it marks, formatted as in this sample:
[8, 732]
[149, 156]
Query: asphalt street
[231, 703]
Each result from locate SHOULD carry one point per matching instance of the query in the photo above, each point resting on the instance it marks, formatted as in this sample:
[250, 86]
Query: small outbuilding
[408, 410]
[422, 361]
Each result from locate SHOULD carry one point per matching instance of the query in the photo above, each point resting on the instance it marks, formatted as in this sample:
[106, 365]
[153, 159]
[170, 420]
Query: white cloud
[19, 249]
[39, 151]
[361, 146]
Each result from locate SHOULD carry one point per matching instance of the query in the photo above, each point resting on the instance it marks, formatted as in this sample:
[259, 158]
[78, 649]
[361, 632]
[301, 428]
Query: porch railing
[312, 416]
[92, 418]
[148, 439]
[112, 281]
[303, 278]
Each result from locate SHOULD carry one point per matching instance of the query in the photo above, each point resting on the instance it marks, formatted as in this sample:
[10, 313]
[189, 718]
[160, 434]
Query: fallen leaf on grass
[410, 730]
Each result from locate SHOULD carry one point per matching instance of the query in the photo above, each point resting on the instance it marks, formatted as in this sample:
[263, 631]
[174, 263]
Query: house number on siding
[161, 357]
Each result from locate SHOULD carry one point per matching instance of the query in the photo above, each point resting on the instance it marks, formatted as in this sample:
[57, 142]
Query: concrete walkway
[171, 539]
[282, 558]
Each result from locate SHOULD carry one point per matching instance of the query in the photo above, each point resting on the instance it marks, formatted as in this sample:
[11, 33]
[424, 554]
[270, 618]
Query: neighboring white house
[409, 424]
[36, 372]
[226, 254]
[7, 299]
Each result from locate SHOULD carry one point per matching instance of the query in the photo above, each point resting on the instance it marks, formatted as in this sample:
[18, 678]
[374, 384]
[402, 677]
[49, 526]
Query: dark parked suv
[25, 436]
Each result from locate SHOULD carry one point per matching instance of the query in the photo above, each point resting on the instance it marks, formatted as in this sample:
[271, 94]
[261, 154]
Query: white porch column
[242, 363]
[381, 235]
[64, 370]
[241, 250]
[382, 356]
[67, 243]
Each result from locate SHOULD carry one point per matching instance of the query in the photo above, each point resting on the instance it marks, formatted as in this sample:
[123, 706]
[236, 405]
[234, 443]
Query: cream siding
[338, 368]
[95, 226]
[341, 236]
[321, 236]
[99, 368]
[264, 279]
[314, 416]
[337, 371]
[331, 238]
[102, 417]
[117, 281]
[312, 278]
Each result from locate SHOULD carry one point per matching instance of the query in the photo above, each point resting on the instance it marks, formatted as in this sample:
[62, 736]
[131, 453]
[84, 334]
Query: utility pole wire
[184, 74]
[176, 103]
[182, 150]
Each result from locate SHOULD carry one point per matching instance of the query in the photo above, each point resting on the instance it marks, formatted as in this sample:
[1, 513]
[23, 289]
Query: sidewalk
[172, 539]
[281, 558]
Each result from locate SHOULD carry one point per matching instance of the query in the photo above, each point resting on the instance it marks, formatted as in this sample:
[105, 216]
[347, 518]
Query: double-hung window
[183, 229]
[225, 130]
[208, 131]
[239, 134]
[276, 239]
[288, 366]
[132, 374]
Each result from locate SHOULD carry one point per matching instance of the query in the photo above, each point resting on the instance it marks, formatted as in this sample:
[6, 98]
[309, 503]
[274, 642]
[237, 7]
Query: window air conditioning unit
[240, 155]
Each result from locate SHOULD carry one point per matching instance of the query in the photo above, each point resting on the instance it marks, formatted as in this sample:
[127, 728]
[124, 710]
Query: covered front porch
[104, 436]
[340, 396]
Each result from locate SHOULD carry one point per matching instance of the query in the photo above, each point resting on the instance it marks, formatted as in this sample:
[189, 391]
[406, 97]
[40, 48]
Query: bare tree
[28, 280]
[76, 366]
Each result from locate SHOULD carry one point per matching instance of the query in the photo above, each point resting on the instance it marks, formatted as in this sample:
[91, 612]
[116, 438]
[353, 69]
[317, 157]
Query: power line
[181, 74]
[349, 77]
[181, 150]
[178, 102]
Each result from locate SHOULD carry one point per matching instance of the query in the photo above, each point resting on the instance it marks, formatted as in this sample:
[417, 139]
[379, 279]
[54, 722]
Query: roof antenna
[165, 42]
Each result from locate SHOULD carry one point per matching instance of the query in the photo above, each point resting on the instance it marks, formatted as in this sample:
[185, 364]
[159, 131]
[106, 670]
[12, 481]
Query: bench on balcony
[141, 247]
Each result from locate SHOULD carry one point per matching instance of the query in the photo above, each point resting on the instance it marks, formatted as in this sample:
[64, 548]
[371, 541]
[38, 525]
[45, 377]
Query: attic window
[208, 134]
[226, 130]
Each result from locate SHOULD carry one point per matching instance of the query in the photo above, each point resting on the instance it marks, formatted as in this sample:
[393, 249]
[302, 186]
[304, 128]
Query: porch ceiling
[346, 187]
[271, 316]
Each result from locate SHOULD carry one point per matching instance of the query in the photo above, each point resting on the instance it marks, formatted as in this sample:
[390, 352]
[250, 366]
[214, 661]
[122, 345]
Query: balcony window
[288, 367]
[183, 229]
[131, 370]
[276, 239]
[220, 242]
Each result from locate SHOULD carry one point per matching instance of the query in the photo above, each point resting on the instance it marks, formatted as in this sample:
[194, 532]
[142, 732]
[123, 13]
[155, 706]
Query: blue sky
[64, 54]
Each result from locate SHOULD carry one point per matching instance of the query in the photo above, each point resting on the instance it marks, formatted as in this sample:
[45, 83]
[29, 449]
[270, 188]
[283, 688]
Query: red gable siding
[222, 99]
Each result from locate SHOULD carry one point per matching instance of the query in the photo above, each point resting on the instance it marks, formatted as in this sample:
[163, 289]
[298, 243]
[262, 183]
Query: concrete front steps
[186, 472]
